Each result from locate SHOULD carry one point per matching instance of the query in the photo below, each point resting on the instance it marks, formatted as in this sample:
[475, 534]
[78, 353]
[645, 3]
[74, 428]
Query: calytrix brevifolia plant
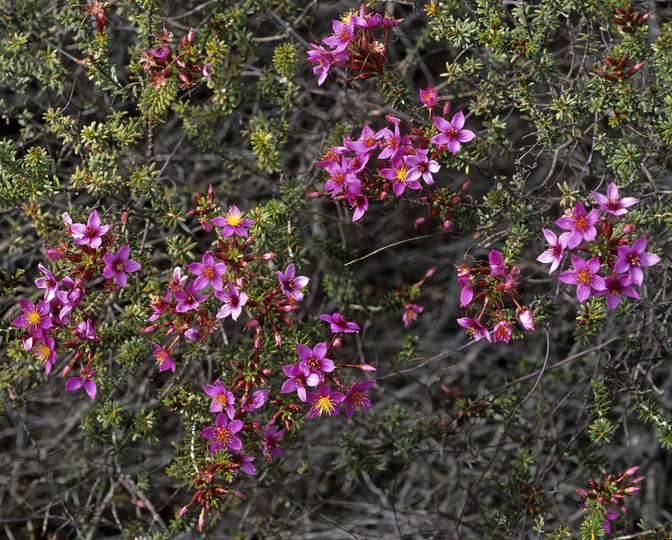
[267, 259]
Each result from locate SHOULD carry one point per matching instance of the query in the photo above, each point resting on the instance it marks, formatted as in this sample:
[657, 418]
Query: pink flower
[339, 323]
[91, 233]
[428, 96]
[420, 166]
[398, 174]
[48, 282]
[70, 298]
[233, 222]
[117, 266]
[357, 398]
[233, 302]
[342, 176]
[525, 318]
[208, 272]
[580, 225]
[615, 287]
[35, 318]
[224, 434]
[502, 332]
[175, 283]
[451, 133]
[164, 361]
[87, 330]
[584, 276]
[316, 358]
[612, 203]
[392, 143]
[188, 299]
[411, 312]
[367, 142]
[84, 379]
[497, 266]
[299, 377]
[245, 461]
[360, 203]
[271, 442]
[343, 34]
[555, 251]
[324, 401]
[222, 399]
[632, 258]
[258, 399]
[290, 284]
[46, 351]
[474, 328]
[465, 279]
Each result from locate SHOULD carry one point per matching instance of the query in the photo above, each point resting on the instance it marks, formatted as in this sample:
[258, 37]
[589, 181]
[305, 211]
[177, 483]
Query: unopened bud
[183, 511]
[447, 224]
[466, 185]
[419, 222]
[52, 253]
[627, 229]
[201, 520]
[582, 493]
[313, 194]
[66, 371]
[148, 330]
[525, 318]
[206, 225]
[632, 490]
[630, 471]
[337, 343]
[257, 342]
[269, 256]
[367, 367]
[278, 339]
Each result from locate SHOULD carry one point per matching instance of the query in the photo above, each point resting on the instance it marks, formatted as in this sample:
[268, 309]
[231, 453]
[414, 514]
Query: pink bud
[148, 330]
[628, 228]
[66, 371]
[466, 185]
[337, 343]
[207, 226]
[430, 273]
[446, 108]
[638, 480]
[383, 195]
[52, 253]
[201, 520]
[419, 222]
[124, 218]
[630, 471]
[183, 511]
[313, 194]
[269, 256]
[367, 367]
[632, 490]
[190, 36]
[582, 493]
[447, 224]
[257, 342]
[525, 318]
[278, 339]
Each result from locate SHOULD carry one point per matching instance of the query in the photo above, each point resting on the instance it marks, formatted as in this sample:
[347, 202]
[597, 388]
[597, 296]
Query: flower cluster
[356, 46]
[617, 267]
[390, 159]
[89, 254]
[492, 284]
[163, 62]
[602, 498]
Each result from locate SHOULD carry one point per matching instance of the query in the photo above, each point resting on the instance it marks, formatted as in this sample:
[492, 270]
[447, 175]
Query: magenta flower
[398, 174]
[48, 282]
[316, 358]
[428, 96]
[257, 400]
[84, 379]
[323, 60]
[474, 328]
[324, 401]
[467, 294]
[367, 142]
[580, 225]
[339, 323]
[360, 203]
[343, 34]
[525, 318]
[612, 203]
[632, 258]
[342, 176]
[420, 166]
[46, 351]
[584, 276]
[70, 298]
[245, 462]
[502, 332]
[411, 312]
[451, 133]
[222, 399]
[87, 330]
[35, 318]
[224, 434]
[290, 284]
[615, 287]
[392, 142]
[497, 266]
[233, 222]
[188, 299]
[357, 397]
[233, 302]
[117, 266]
[299, 377]
[555, 251]
[163, 360]
[271, 442]
[175, 283]
[91, 233]
[208, 271]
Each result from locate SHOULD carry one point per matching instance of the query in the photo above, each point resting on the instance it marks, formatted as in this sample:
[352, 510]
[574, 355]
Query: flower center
[633, 259]
[221, 400]
[502, 332]
[33, 318]
[223, 435]
[209, 272]
[584, 277]
[369, 140]
[401, 173]
[313, 363]
[358, 399]
[43, 352]
[325, 404]
[343, 35]
[338, 179]
[161, 356]
[234, 219]
[581, 223]
[119, 266]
